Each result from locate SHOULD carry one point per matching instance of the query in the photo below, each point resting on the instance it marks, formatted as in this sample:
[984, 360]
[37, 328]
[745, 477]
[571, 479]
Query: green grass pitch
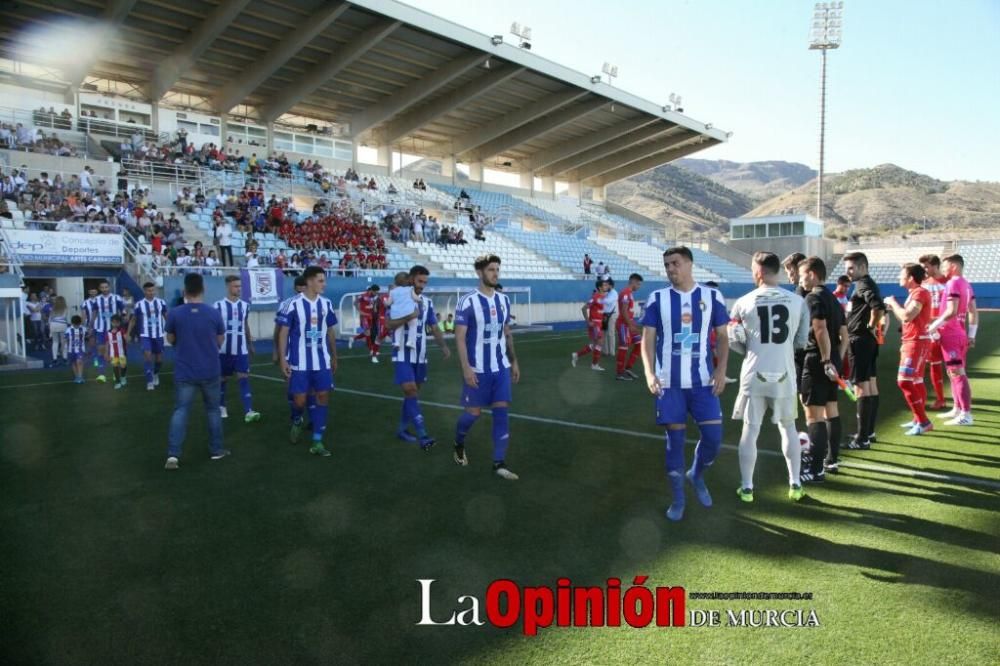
[273, 556]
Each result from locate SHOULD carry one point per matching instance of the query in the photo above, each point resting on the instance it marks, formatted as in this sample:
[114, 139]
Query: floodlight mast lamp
[826, 34]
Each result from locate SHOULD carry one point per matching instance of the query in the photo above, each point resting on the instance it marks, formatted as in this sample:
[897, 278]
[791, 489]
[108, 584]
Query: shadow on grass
[934, 491]
[765, 538]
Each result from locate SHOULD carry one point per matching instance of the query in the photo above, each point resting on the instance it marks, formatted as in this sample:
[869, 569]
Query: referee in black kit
[865, 312]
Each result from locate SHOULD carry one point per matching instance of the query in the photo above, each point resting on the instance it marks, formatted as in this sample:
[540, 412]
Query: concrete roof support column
[575, 189]
[476, 172]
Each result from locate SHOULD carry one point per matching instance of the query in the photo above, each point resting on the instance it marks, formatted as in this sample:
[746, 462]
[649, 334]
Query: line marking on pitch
[898, 471]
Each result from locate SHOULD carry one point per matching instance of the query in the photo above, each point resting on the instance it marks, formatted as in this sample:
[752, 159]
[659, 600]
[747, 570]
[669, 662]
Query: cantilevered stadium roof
[385, 72]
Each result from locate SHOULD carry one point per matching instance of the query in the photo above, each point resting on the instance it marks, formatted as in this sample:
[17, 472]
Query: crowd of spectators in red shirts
[360, 242]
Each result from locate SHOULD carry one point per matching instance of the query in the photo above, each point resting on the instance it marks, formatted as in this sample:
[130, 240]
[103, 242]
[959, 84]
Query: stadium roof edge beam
[380, 72]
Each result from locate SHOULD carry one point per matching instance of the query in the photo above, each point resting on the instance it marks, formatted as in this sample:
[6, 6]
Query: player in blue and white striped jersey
[489, 365]
[280, 317]
[237, 346]
[150, 315]
[103, 307]
[76, 346]
[409, 358]
[307, 350]
[677, 356]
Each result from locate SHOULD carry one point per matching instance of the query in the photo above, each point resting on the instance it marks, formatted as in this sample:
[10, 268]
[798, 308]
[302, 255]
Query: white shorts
[751, 408]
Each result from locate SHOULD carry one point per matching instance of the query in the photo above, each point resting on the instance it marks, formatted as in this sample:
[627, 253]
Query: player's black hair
[713, 284]
[843, 279]
[194, 284]
[485, 260]
[768, 261]
[815, 265]
[859, 258]
[931, 259]
[312, 272]
[955, 259]
[794, 259]
[232, 278]
[116, 318]
[147, 285]
[915, 271]
[76, 320]
[300, 280]
[635, 276]
[681, 250]
[419, 270]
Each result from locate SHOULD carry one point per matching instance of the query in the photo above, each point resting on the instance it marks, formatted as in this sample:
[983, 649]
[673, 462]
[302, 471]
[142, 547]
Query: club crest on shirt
[686, 318]
[314, 320]
[493, 311]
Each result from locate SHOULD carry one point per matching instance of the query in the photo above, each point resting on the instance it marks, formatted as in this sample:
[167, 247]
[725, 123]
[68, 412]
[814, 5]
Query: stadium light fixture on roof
[523, 33]
[496, 40]
[675, 103]
[611, 71]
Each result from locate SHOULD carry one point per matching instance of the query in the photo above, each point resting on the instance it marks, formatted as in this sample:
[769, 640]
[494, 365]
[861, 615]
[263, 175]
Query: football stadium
[323, 342]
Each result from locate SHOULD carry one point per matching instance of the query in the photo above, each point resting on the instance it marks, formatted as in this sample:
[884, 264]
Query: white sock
[748, 453]
[793, 451]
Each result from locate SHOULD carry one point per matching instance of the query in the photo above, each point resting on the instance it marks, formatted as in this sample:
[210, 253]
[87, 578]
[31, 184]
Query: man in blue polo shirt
[196, 331]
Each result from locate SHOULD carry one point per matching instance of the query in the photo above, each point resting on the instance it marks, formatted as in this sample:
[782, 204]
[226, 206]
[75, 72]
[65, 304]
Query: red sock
[916, 404]
[374, 349]
[361, 336]
[636, 352]
[920, 404]
[584, 351]
[620, 360]
[597, 354]
[937, 379]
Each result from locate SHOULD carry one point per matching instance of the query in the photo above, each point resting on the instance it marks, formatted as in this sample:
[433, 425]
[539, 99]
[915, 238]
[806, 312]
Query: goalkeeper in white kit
[768, 324]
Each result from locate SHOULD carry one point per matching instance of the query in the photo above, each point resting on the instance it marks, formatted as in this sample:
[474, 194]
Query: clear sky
[914, 83]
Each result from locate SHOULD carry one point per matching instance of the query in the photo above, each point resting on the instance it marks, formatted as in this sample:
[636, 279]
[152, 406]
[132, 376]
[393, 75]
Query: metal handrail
[14, 263]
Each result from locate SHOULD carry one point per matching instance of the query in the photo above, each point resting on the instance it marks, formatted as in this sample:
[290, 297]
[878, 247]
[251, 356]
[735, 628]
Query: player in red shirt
[915, 315]
[629, 331]
[366, 308]
[382, 305]
[593, 314]
[841, 293]
[934, 283]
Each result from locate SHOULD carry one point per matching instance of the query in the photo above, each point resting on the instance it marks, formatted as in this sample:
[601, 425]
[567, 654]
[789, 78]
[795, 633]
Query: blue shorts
[493, 387]
[152, 345]
[410, 372]
[73, 357]
[233, 363]
[675, 404]
[303, 381]
[100, 337]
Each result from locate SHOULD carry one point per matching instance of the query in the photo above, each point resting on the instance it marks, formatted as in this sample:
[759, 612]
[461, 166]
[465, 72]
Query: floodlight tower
[826, 35]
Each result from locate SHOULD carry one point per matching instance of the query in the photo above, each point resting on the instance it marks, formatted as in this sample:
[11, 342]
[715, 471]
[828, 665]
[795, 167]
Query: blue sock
[222, 393]
[676, 480]
[675, 450]
[501, 433]
[296, 412]
[310, 405]
[708, 447]
[465, 422]
[318, 416]
[100, 362]
[404, 416]
[147, 368]
[156, 367]
[245, 394]
[411, 408]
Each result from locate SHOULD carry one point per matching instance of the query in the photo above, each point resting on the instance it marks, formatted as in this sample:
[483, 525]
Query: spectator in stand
[587, 262]
[224, 234]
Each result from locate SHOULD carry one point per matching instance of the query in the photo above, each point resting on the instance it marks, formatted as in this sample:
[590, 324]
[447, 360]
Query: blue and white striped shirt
[101, 309]
[150, 317]
[234, 318]
[281, 316]
[308, 323]
[486, 317]
[683, 323]
[401, 336]
[76, 339]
